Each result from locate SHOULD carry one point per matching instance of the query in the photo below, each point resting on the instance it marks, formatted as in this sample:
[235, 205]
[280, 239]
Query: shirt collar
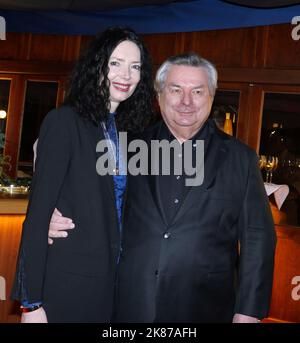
[202, 134]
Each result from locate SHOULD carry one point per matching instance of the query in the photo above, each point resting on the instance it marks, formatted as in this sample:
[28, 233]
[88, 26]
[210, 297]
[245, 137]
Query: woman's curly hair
[88, 91]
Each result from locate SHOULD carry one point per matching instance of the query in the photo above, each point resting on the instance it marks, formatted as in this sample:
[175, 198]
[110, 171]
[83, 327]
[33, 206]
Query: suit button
[156, 273]
[167, 235]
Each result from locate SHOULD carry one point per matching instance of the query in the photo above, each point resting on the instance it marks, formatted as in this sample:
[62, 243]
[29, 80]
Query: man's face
[185, 102]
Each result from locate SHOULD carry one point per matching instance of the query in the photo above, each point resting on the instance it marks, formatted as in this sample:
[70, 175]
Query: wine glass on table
[274, 168]
[269, 166]
[262, 161]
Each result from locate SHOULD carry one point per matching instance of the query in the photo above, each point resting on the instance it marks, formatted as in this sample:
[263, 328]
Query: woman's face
[124, 72]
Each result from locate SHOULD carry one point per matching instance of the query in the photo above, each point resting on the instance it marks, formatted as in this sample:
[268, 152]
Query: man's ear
[158, 96]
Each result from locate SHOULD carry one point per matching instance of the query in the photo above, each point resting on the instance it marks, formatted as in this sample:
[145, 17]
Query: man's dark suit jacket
[74, 278]
[184, 270]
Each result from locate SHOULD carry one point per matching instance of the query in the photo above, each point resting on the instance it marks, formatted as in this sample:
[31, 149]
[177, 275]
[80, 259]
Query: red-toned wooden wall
[266, 47]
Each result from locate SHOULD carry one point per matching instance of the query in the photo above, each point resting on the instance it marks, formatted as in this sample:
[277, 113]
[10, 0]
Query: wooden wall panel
[261, 42]
[85, 40]
[14, 122]
[226, 48]
[255, 104]
[55, 68]
[283, 306]
[15, 47]
[47, 47]
[10, 234]
[71, 48]
[260, 75]
[281, 50]
[254, 47]
[161, 46]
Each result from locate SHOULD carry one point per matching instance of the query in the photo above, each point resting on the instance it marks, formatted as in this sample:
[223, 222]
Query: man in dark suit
[196, 253]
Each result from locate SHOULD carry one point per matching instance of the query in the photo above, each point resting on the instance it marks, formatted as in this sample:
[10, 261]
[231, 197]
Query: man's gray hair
[193, 60]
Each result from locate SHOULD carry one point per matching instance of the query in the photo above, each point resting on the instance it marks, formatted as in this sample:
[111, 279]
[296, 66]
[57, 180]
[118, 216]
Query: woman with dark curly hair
[73, 280]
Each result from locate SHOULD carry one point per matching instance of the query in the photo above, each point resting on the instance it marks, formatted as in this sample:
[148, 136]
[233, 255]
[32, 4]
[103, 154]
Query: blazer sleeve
[257, 247]
[53, 158]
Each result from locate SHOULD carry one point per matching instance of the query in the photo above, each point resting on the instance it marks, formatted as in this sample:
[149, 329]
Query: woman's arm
[53, 156]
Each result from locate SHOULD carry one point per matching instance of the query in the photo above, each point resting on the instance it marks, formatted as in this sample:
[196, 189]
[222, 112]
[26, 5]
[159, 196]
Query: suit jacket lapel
[153, 180]
[154, 187]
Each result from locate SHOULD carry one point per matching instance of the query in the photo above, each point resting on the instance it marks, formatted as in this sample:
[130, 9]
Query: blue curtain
[175, 17]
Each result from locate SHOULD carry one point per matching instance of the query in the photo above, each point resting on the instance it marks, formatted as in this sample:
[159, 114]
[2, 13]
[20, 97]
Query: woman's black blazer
[74, 277]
